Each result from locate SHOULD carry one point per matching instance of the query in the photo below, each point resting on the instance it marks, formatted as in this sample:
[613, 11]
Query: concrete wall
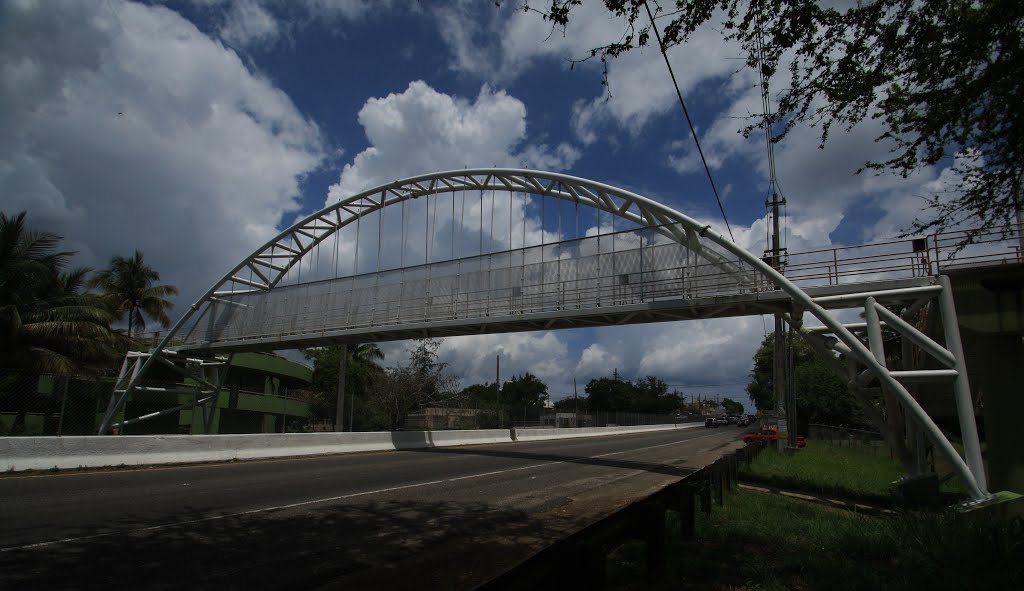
[45, 453]
[564, 433]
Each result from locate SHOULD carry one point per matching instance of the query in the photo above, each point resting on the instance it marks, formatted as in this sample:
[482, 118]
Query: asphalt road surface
[445, 518]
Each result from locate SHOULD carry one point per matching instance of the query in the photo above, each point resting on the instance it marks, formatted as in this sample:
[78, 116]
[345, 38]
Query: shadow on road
[318, 548]
[606, 462]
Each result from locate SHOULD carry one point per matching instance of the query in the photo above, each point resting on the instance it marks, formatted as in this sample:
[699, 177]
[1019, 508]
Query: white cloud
[423, 130]
[596, 361]
[543, 354]
[125, 128]
[246, 22]
[503, 44]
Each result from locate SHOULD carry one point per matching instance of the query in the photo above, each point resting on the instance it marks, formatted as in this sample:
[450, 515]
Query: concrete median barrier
[67, 453]
[568, 433]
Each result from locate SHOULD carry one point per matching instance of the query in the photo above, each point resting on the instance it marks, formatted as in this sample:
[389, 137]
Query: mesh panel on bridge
[571, 275]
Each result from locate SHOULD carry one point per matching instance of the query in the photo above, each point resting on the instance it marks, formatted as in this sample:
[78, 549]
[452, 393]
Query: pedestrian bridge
[502, 250]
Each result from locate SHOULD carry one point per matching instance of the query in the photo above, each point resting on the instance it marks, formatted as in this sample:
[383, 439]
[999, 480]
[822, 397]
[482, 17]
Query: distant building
[259, 396]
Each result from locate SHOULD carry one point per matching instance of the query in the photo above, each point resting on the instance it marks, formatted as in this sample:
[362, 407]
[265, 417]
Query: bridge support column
[961, 386]
[1001, 394]
[339, 416]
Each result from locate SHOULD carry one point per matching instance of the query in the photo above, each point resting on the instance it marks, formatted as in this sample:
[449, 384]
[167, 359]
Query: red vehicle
[771, 434]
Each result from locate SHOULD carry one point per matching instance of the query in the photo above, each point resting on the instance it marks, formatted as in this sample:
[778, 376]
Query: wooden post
[687, 512]
[718, 484]
[705, 492]
[583, 568]
[653, 519]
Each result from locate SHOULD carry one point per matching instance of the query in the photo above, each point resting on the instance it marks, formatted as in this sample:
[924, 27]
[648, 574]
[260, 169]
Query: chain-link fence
[849, 437]
[47, 404]
[532, 417]
[33, 404]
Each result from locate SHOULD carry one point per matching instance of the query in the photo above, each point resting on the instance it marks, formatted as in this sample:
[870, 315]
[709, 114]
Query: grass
[826, 469]
[768, 542]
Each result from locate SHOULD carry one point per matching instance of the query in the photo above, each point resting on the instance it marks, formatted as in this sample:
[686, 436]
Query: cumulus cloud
[543, 354]
[597, 360]
[127, 128]
[501, 44]
[423, 130]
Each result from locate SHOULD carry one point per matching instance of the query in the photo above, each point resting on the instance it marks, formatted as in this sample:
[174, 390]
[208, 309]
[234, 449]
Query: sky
[196, 130]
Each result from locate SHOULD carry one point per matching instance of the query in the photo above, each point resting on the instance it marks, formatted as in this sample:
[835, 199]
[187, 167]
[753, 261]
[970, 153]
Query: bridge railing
[581, 274]
[532, 280]
[907, 258]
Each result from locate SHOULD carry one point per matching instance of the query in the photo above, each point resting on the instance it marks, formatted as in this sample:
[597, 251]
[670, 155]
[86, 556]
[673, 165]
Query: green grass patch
[826, 469]
[768, 542]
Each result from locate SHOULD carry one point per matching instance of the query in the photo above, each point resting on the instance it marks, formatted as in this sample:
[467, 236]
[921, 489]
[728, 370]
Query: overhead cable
[689, 121]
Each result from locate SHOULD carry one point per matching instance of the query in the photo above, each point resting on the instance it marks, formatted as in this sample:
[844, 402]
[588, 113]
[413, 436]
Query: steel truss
[863, 363]
[207, 377]
[264, 270]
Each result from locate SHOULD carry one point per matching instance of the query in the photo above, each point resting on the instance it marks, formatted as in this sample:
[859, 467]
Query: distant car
[720, 421]
[709, 422]
[732, 419]
[743, 422]
[772, 436]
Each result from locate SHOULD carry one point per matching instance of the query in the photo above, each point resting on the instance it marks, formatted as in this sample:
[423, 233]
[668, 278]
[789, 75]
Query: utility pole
[780, 358]
[576, 405]
[339, 418]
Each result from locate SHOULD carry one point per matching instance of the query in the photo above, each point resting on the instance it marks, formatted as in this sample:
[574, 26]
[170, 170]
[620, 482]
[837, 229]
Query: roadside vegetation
[764, 541]
[821, 468]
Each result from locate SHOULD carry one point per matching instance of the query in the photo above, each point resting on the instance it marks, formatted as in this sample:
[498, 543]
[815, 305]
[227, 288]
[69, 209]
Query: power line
[689, 122]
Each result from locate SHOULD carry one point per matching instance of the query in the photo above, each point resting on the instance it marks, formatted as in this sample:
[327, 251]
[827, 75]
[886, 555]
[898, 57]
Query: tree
[731, 407]
[648, 395]
[361, 370]
[401, 390]
[942, 77]
[609, 394]
[652, 396]
[47, 322]
[128, 288]
[821, 396]
[525, 391]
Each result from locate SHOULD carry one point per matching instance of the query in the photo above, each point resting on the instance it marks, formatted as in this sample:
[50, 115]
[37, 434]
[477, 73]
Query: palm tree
[29, 261]
[47, 322]
[367, 354]
[61, 331]
[129, 290]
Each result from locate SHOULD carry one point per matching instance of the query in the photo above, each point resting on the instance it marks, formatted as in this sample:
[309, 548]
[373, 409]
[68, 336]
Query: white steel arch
[270, 263]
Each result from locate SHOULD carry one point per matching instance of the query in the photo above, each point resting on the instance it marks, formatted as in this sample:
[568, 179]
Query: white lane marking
[335, 498]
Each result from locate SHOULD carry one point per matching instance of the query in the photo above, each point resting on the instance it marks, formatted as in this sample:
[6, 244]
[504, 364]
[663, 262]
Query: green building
[263, 393]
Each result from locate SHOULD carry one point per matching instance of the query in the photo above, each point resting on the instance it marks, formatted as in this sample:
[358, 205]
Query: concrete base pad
[1006, 507]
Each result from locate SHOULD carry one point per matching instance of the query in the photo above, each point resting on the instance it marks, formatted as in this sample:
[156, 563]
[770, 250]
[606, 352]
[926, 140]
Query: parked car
[721, 421]
[743, 422]
[772, 436]
[709, 422]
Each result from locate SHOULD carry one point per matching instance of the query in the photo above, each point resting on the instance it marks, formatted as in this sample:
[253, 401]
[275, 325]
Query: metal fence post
[63, 406]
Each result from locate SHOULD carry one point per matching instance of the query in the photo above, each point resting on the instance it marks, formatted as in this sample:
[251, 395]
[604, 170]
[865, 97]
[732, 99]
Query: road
[438, 518]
